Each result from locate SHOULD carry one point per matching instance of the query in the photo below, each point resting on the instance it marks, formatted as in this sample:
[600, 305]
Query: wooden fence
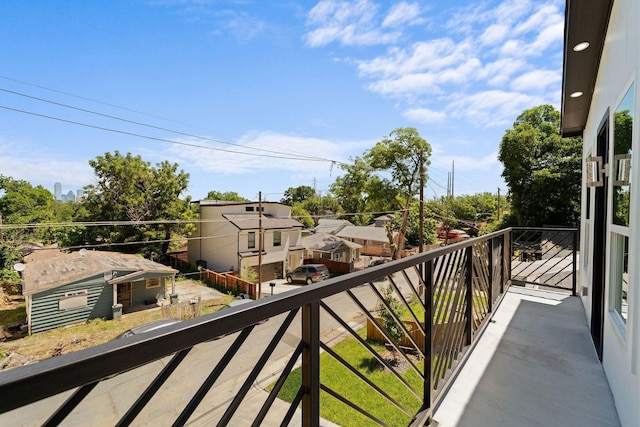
[335, 267]
[374, 334]
[416, 333]
[229, 282]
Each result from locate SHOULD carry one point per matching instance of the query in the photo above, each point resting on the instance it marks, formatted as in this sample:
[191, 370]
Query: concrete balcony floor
[535, 365]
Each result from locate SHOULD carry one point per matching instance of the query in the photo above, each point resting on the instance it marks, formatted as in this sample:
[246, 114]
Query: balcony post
[507, 253]
[574, 280]
[492, 277]
[311, 364]
[429, 328]
[469, 295]
[423, 417]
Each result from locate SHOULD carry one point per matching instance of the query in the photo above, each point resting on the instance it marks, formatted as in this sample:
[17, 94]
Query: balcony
[501, 344]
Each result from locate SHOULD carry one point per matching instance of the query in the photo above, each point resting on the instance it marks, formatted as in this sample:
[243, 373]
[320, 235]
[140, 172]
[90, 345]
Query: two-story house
[229, 235]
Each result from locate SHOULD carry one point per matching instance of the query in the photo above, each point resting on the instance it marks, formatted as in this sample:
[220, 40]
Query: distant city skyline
[70, 196]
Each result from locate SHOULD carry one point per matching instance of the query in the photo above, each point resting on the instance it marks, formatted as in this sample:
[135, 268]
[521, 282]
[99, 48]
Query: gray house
[328, 246]
[374, 240]
[68, 288]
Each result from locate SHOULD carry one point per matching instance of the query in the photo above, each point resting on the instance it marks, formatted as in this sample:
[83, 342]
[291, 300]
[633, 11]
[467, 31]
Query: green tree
[298, 194]
[541, 169]
[9, 256]
[403, 154]
[351, 190]
[413, 226]
[228, 196]
[387, 316]
[21, 203]
[301, 215]
[130, 189]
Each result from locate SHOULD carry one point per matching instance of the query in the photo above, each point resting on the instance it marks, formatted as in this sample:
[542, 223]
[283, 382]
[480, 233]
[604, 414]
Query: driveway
[188, 290]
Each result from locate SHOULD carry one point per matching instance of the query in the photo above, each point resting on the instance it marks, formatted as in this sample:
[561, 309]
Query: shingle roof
[41, 274]
[331, 225]
[326, 242]
[376, 234]
[251, 221]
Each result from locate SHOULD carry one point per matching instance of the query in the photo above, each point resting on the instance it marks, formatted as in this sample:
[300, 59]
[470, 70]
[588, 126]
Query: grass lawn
[342, 381]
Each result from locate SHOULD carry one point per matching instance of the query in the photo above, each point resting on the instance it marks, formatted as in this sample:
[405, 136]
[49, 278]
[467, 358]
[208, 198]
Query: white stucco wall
[618, 70]
[218, 241]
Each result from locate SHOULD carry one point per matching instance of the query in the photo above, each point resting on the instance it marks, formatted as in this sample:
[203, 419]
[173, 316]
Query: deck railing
[206, 370]
[545, 257]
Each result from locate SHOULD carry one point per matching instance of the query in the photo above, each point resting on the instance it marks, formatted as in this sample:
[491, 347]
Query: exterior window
[71, 300]
[622, 142]
[153, 283]
[252, 240]
[277, 238]
[248, 208]
[620, 275]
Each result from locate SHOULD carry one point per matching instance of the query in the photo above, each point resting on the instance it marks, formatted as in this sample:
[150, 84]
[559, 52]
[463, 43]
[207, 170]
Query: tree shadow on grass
[369, 364]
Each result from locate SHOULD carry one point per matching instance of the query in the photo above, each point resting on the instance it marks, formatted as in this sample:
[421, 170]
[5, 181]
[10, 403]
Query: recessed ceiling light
[576, 94]
[581, 46]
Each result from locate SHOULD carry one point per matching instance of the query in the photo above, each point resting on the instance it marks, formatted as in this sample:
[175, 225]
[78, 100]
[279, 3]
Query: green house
[63, 288]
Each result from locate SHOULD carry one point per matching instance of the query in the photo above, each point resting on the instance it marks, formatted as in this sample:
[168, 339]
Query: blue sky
[208, 80]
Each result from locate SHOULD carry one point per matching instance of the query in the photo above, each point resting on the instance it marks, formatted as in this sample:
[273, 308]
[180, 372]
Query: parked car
[378, 262]
[148, 327]
[308, 274]
[453, 235]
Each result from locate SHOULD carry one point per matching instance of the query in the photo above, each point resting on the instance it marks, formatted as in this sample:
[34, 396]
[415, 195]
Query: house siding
[618, 68]
[141, 294]
[45, 305]
[221, 243]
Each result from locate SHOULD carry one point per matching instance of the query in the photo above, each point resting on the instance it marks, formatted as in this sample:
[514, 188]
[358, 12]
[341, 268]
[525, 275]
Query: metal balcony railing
[283, 359]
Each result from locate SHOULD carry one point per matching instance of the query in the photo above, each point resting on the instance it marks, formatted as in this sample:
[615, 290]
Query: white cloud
[266, 151]
[350, 23]
[486, 76]
[401, 14]
[499, 72]
[27, 164]
[493, 107]
[537, 80]
[411, 84]
[468, 163]
[430, 55]
[494, 34]
[546, 15]
[510, 11]
[425, 115]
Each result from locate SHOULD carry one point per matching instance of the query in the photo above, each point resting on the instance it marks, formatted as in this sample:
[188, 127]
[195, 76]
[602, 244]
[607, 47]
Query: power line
[8, 226]
[122, 132]
[84, 98]
[153, 126]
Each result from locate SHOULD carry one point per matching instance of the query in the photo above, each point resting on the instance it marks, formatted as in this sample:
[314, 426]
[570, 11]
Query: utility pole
[498, 204]
[453, 177]
[259, 245]
[421, 216]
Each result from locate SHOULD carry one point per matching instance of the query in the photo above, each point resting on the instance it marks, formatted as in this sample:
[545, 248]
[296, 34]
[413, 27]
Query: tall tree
[298, 194]
[352, 190]
[21, 203]
[130, 189]
[541, 169]
[404, 154]
[228, 196]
